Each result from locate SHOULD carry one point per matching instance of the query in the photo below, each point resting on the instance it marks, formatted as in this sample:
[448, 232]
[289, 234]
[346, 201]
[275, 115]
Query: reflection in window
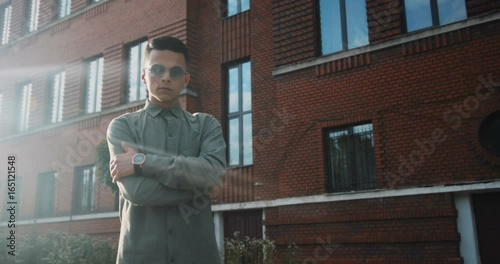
[136, 88]
[422, 14]
[57, 85]
[94, 85]
[351, 163]
[237, 6]
[46, 194]
[240, 115]
[33, 10]
[344, 25]
[84, 190]
[5, 13]
[24, 107]
[64, 8]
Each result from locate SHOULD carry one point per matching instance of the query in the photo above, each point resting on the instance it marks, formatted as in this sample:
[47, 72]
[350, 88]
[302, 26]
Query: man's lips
[164, 89]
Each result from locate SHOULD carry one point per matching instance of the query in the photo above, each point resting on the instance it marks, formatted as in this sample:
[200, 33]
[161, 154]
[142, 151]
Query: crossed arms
[166, 179]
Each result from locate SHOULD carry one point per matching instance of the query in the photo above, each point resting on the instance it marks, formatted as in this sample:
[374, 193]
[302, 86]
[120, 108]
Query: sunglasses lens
[176, 72]
[157, 71]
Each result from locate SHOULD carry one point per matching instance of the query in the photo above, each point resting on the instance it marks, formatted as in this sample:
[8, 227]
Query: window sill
[409, 37]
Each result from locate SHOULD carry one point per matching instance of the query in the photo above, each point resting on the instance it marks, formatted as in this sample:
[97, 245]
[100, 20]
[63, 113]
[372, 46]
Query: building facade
[359, 130]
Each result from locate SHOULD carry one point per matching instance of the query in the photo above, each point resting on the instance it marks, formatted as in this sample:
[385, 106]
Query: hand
[121, 164]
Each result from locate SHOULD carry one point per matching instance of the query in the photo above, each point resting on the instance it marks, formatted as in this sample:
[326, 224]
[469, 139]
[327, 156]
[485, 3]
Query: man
[164, 161]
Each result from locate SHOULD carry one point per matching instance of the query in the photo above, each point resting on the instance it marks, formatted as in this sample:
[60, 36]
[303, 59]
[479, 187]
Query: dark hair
[167, 43]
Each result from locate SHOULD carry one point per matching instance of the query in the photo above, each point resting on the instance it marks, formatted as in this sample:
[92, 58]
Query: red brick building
[361, 130]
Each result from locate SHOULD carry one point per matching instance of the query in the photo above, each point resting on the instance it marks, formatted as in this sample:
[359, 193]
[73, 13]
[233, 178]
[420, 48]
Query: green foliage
[249, 250]
[61, 248]
[102, 164]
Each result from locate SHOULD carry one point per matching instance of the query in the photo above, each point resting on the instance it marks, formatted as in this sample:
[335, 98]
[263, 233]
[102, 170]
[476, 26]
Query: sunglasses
[158, 71]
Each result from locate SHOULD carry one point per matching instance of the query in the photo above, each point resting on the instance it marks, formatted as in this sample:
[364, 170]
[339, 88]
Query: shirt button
[171, 232]
[170, 135]
[172, 260]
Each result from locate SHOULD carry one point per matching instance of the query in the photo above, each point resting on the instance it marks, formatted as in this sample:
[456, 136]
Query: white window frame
[93, 92]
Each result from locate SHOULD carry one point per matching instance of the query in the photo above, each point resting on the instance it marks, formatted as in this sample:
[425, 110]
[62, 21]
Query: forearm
[185, 173]
[140, 190]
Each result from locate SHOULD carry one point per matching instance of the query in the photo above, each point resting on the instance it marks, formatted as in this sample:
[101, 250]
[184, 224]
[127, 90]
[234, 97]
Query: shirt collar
[155, 110]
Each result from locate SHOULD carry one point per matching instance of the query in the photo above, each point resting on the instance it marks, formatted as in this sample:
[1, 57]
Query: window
[46, 188]
[237, 6]
[94, 85]
[430, 13]
[24, 107]
[84, 189]
[240, 115]
[136, 89]
[33, 10]
[344, 25]
[64, 8]
[5, 12]
[488, 134]
[351, 163]
[57, 96]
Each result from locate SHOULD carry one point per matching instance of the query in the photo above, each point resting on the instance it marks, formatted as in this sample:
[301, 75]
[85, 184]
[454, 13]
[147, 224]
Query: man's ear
[143, 75]
[187, 79]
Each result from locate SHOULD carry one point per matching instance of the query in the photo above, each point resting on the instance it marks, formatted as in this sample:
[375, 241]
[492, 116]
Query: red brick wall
[410, 229]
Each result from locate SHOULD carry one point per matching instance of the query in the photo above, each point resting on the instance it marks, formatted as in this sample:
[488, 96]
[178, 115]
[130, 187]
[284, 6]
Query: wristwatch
[138, 161]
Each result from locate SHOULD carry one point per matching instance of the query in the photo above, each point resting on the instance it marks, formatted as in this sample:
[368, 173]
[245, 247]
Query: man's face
[164, 89]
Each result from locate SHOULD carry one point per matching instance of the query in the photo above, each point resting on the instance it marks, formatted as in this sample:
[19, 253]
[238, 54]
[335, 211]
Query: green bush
[248, 250]
[60, 248]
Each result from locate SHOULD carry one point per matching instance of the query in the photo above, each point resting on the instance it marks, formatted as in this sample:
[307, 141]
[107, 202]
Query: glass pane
[245, 5]
[339, 160]
[451, 11]
[5, 25]
[91, 86]
[418, 14]
[61, 96]
[247, 140]
[357, 25]
[247, 86]
[55, 97]
[1, 101]
[234, 141]
[142, 86]
[100, 70]
[25, 107]
[232, 7]
[331, 27]
[132, 73]
[234, 105]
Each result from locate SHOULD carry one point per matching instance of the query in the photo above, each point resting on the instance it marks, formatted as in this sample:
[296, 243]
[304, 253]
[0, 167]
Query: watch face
[138, 159]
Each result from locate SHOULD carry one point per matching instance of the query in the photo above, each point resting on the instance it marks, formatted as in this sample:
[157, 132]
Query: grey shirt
[165, 213]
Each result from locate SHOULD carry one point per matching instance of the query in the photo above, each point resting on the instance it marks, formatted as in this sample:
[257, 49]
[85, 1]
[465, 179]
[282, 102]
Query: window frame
[335, 185]
[42, 199]
[79, 183]
[23, 120]
[238, 7]
[50, 103]
[98, 96]
[142, 57]
[239, 114]
[5, 23]
[67, 11]
[32, 16]
[343, 28]
[434, 16]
